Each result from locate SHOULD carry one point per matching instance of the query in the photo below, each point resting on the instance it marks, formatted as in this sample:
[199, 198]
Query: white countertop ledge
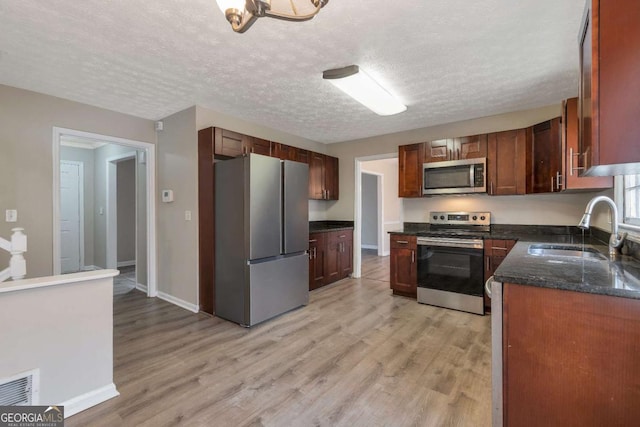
[63, 279]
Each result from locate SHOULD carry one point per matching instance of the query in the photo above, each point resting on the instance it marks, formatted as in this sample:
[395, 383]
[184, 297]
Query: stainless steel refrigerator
[262, 237]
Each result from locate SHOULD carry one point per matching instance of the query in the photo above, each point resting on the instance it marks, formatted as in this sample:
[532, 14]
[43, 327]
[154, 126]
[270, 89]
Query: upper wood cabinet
[466, 147]
[438, 151]
[259, 146]
[544, 157]
[470, 147]
[410, 159]
[609, 128]
[572, 162]
[323, 177]
[506, 162]
[233, 144]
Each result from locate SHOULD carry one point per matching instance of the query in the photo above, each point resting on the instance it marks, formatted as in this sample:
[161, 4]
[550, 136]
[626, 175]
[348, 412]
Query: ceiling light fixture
[361, 87]
[241, 14]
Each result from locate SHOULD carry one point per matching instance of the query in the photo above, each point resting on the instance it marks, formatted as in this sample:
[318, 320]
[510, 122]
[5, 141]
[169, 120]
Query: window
[632, 199]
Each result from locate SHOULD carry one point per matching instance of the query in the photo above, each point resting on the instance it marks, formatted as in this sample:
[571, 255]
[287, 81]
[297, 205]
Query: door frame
[379, 209]
[80, 207]
[57, 133]
[112, 207]
[357, 208]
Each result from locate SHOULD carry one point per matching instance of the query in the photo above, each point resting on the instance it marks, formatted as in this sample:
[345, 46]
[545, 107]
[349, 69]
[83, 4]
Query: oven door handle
[451, 243]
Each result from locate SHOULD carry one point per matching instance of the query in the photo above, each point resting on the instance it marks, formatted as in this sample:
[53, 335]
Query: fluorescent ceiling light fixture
[361, 87]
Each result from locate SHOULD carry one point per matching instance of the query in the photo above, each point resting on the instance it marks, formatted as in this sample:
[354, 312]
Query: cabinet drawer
[400, 241]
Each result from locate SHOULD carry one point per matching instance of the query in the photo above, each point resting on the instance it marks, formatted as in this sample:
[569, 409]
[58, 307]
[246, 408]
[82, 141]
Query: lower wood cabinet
[495, 251]
[404, 266]
[330, 257]
[569, 358]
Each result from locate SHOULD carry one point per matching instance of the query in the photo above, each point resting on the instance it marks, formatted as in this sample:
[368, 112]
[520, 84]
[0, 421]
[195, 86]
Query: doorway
[100, 194]
[378, 209]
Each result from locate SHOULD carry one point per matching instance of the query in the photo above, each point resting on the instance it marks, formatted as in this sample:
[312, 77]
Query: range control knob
[483, 218]
[435, 217]
[442, 217]
[475, 218]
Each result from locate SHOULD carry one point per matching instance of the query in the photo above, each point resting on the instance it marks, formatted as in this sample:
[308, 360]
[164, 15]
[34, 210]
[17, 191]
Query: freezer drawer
[277, 286]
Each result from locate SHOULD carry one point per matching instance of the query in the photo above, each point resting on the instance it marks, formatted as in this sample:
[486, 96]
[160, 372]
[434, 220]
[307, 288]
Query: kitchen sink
[565, 251]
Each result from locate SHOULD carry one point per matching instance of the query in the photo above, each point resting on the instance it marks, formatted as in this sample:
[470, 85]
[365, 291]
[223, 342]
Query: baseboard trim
[369, 246]
[142, 288]
[126, 263]
[87, 400]
[177, 301]
[386, 253]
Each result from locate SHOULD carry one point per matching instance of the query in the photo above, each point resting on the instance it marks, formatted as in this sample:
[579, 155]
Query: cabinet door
[438, 151]
[609, 87]
[404, 267]
[317, 246]
[316, 176]
[283, 151]
[410, 159]
[572, 160]
[258, 146]
[331, 180]
[332, 258]
[345, 239]
[229, 143]
[302, 156]
[470, 147]
[506, 162]
[543, 169]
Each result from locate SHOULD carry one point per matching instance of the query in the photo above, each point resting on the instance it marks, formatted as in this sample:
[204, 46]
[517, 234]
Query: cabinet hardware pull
[313, 240]
[413, 257]
[402, 242]
[558, 180]
[577, 168]
[498, 248]
[342, 236]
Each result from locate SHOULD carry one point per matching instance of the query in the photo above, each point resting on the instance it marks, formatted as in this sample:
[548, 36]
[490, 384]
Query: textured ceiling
[447, 60]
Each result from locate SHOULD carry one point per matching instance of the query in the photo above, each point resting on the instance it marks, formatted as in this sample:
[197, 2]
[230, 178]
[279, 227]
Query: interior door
[70, 185]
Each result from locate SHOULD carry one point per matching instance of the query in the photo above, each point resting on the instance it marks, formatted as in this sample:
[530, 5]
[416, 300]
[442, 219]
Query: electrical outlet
[11, 215]
[187, 215]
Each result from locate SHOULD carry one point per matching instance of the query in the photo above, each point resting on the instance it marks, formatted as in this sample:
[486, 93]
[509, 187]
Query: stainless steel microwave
[455, 177]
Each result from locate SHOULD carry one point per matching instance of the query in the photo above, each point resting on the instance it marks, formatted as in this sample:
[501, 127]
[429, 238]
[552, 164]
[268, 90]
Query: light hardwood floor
[355, 356]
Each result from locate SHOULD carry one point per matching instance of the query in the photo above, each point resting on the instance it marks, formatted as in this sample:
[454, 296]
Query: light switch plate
[11, 215]
[187, 215]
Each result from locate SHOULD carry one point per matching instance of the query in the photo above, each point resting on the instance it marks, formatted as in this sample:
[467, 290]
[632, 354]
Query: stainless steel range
[450, 260]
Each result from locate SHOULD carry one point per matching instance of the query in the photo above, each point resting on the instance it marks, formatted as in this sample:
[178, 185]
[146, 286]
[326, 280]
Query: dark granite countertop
[619, 278]
[532, 233]
[324, 226]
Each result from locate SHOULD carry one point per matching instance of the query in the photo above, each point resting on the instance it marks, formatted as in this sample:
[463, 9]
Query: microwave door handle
[472, 176]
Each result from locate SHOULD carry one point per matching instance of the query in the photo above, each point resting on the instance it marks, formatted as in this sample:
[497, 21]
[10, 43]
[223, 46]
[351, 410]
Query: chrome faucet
[616, 238]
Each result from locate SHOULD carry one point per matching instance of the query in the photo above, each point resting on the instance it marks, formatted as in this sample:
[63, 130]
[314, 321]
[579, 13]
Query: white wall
[561, 209]
[369, 237]
[26, 161]
[391, 203]
[65, 330]
[178, 171]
